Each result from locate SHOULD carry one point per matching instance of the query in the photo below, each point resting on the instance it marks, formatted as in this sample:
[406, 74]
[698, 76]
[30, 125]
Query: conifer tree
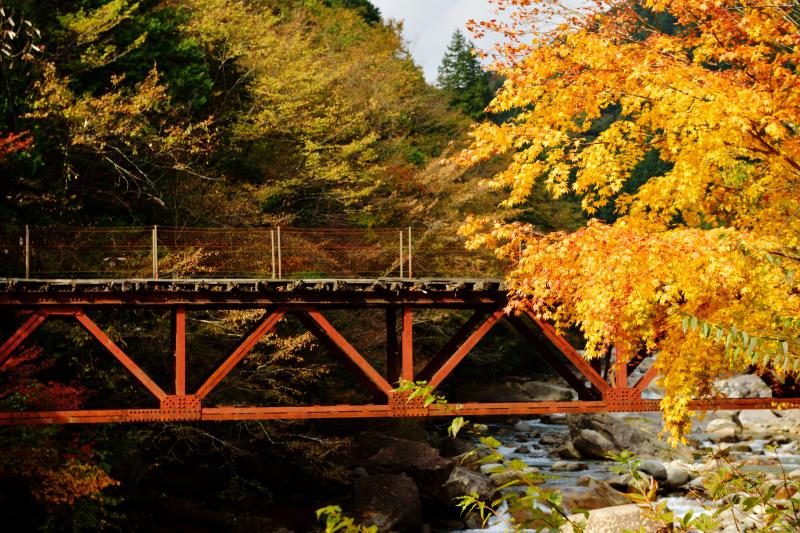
[462, 77]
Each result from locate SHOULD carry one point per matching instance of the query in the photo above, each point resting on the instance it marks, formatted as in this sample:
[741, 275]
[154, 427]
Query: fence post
[401, 253]
[280, 260]
[410, 269]
[27, 252]
[155, 252]
[272, 244]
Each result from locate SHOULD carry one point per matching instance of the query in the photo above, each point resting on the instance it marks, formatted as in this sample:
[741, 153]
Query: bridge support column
[407, 346]
[393, 363]
[179, 339]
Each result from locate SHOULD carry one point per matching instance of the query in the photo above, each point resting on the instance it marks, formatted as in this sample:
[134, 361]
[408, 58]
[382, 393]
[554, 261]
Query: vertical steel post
[410, 269]
[179, 336]
[407, 347]
[280, 265]
[401, 253]
[272, 243]
[620, 369]
[155, 252]
[393, 368]
[27, 252]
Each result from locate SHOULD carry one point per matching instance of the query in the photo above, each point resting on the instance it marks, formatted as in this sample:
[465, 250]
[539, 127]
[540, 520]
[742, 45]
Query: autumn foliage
[699, 264]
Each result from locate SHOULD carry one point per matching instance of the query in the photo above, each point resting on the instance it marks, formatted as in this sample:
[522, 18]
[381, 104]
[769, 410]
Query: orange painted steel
[451, 345]
[308, 302]
[24, 331]
[464, 349]
[123, 358]
[262, 327]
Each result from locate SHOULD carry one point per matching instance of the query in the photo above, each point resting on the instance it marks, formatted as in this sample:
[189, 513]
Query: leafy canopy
[711, 241]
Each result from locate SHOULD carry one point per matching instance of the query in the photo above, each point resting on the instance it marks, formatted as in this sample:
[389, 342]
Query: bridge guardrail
[167, 252]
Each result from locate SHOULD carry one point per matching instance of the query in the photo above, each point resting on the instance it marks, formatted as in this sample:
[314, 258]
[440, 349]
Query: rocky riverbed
[403, 483]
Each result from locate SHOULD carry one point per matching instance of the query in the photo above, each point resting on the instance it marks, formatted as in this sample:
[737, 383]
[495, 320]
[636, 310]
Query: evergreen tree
[462, 77]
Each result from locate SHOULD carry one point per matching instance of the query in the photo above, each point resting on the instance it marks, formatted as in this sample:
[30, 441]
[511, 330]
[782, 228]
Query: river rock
[567, 451]
[507, 476]
[744, 386]
[551, 440]
[592, 444]
[594, 435]
[612, 520]
[723, 430]
[677, 476]
[628, 483]
[697, 485]
[455, 447]
[567, 466]
[489, 468]
[591, 493]
[540, 391]
[417, 459]
[555, 418]
[388, 501]
[794, 474]
[759, 419]
[463, 481]
[654, 468]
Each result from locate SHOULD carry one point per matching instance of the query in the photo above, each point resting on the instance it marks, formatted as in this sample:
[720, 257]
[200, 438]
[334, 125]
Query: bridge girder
[487, 300]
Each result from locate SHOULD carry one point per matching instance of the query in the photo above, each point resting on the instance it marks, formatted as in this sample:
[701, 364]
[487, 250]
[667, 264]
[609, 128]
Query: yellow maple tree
[699, 265]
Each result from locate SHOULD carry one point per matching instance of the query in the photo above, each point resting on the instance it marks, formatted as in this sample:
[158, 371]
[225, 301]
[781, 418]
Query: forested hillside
[211, 113]
[215, 113]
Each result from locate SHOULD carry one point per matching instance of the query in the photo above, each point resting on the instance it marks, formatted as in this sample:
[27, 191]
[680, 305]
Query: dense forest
[211, 113]
[673, 125]
[222, 114]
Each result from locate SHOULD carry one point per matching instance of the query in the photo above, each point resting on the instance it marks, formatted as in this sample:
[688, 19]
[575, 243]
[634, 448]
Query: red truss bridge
[179, 287]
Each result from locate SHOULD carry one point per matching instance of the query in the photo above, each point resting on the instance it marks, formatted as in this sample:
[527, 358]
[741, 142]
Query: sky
[429, 25]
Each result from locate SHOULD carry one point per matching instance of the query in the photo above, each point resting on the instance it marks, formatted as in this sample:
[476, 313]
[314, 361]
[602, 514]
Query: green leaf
[685, 324]
[490, 442]
[455, 426]
[693, 323]
[752, 344]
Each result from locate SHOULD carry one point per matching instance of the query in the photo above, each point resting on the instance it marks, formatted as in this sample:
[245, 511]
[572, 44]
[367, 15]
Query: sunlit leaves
[699, 266]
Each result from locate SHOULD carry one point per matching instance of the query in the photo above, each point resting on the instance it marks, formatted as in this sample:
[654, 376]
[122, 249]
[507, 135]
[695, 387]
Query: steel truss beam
[595, 394]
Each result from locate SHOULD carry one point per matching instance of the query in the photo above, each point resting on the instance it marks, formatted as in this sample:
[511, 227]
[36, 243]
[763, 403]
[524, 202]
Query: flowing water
[523, 441]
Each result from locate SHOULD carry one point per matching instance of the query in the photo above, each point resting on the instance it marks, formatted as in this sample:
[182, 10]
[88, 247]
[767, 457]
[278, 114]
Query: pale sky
[429, 25]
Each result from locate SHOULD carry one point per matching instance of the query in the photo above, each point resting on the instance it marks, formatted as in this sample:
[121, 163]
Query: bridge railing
[165, 252]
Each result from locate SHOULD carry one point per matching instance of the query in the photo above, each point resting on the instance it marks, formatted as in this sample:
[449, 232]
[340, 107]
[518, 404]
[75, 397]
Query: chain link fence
[277, 253]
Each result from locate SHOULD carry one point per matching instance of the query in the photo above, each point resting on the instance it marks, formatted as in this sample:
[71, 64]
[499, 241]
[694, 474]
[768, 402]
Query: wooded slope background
[215, 113]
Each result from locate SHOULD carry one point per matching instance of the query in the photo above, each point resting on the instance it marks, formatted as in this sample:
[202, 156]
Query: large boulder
[611, 520]
[761, 420]
[595, 435]
[463, 481]
[592, 444]
[417, 459]
[389, 501]
[592, 493]
[567, 451]
[723, 430]
[541, 391]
